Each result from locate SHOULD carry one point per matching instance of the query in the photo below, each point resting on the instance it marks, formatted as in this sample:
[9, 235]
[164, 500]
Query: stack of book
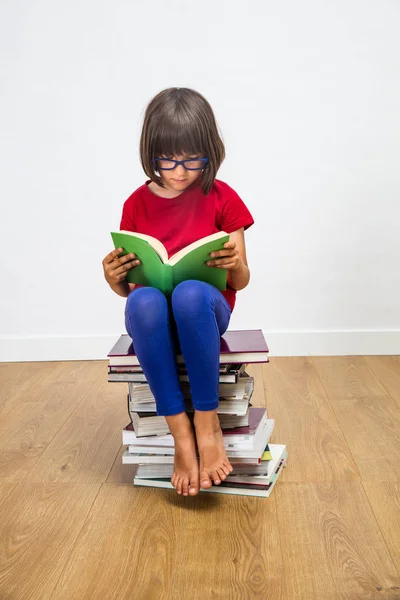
[247, 430]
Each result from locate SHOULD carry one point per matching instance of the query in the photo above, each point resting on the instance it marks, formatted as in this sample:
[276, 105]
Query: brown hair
[180, 121]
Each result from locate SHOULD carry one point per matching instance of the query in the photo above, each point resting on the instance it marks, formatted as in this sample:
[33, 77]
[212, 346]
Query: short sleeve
[128, 216]
[234, 213]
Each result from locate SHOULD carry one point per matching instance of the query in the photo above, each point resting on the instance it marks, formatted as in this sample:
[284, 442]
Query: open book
[156, 270]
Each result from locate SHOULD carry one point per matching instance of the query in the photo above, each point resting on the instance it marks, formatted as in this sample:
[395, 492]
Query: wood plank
[368, 416]
[28, 429]
[74, 374]
[331, 544]
[18, 382]
[5, 490]
[85, 447]
[306, 423]
[229, 547]
[38, 527]
[387, 370]
[127, 548]
[384, 498]
[120, 473]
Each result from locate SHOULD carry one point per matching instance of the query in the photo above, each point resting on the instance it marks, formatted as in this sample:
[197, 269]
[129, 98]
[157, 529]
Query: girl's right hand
[116, 267]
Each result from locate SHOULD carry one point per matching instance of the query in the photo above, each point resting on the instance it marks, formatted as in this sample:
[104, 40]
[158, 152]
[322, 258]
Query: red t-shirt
[178, 222]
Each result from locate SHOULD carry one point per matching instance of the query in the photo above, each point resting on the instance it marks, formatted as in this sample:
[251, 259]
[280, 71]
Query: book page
[154, 243]
[209, 238]
[193, 264]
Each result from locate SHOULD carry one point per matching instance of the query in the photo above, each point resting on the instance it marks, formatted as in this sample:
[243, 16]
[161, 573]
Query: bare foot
[214, 464]
[185, 478]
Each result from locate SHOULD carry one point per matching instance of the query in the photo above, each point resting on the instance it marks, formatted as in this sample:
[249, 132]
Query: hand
[228, 258]
[116, 267]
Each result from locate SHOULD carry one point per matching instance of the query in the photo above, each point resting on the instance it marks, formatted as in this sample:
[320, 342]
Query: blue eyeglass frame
[181, 162]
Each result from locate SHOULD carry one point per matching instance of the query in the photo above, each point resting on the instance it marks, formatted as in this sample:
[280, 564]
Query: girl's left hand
[228, 258]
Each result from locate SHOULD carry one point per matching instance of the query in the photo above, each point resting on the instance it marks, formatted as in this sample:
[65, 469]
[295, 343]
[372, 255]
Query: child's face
[179, 178]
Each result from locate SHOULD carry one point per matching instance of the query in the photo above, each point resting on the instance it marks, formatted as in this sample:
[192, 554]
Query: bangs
[178, 137]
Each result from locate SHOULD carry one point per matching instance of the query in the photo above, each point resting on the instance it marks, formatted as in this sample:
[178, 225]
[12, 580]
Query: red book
[242, 346]
[255, 417]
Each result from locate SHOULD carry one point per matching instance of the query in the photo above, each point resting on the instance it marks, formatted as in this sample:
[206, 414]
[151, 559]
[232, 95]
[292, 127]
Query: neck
[168, 193]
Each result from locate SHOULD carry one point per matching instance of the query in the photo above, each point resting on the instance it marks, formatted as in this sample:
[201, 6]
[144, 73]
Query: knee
[146, 305]
[189, 297]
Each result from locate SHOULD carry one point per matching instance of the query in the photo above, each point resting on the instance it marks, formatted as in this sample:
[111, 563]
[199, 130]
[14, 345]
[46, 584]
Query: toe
[194, 484]
[178, 485]
[215, 477]
[185, 486]
[221, 474]
[205, 481]
[227, 467]
[173, 479]
[193, 489]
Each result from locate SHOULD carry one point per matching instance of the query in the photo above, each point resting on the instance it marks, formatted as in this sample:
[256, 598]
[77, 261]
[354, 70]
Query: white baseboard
[49, 348]
[281, 343]
[333, 343]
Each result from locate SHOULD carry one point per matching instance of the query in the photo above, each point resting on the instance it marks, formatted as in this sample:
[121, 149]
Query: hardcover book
[159, 271]
[240, 346]
[164, 444]
[225, 487]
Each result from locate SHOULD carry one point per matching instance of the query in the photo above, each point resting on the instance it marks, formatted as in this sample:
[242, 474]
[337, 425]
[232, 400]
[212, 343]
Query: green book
[156, 270]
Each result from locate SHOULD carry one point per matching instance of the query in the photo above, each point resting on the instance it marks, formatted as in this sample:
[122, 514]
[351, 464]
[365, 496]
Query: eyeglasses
[168, 164]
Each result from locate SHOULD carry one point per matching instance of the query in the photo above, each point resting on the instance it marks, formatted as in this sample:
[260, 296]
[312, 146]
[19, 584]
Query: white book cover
[154, 469]
[258, 449]
[164, 460]
[218, 489]
[145, 451]
[137, 449]
[166, 443]
[129, 437]
[279, 453]
[245, 437]
[231, 442]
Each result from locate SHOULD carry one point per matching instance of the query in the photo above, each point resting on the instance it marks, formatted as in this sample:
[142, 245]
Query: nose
[179, 171]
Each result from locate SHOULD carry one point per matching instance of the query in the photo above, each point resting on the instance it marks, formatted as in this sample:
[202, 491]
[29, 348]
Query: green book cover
[156, 270]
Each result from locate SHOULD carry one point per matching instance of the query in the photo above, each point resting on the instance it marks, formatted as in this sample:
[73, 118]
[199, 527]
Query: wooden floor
[73, 527]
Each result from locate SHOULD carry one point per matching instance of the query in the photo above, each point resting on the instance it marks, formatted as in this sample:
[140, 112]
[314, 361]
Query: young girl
[181, 152]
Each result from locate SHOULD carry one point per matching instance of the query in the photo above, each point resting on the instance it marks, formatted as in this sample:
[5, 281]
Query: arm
[123, 288]
[234, 259]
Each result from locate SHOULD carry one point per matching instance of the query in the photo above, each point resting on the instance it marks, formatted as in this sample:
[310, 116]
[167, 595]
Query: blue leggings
[191, 324]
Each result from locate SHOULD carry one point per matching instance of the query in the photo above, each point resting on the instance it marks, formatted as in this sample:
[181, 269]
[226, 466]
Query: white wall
[307, 95]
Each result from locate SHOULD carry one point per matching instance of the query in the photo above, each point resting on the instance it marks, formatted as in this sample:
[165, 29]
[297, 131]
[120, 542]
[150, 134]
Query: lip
[179, 180]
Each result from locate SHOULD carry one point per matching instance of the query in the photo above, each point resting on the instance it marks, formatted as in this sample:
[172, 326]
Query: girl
[181, 152]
